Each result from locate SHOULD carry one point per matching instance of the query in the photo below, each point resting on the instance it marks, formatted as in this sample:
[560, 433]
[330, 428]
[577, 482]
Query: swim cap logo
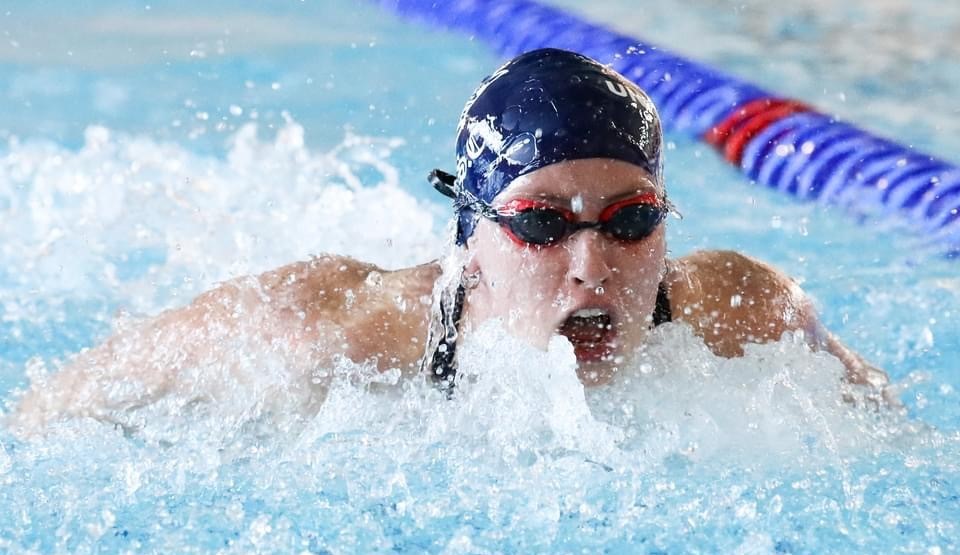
[621, 90]
[521, 150]
[483, 134]
[461, 170]
[474, 146]
[643, 104]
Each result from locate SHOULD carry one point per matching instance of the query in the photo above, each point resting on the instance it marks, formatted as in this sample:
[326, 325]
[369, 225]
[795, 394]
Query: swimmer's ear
[471, 267]
[444, 183]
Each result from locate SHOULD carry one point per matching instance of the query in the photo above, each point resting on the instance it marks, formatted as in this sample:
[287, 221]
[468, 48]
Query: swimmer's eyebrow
[553, 199]
[636, 189]
[639, 190]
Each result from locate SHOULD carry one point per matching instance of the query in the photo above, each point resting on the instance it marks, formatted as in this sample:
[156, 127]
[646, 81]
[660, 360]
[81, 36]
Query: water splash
[128, 214]
[521, 451]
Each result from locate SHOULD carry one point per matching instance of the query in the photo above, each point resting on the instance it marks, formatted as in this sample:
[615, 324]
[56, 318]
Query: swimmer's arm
[859, 371]
[135, 367]
[196, 351]
[731, 300]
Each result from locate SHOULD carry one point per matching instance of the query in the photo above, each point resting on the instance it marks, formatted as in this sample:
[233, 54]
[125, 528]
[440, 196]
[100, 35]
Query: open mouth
[592, 334]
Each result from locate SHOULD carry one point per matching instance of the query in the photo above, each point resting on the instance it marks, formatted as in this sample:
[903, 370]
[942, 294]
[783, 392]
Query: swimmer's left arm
[859, 371]
[731, 300]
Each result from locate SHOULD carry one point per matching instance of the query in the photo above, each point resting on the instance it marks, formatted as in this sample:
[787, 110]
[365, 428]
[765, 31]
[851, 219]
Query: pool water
[151, 150]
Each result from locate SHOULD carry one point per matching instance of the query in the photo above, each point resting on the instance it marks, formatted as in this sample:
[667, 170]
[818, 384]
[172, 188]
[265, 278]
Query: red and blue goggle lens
[537, 223]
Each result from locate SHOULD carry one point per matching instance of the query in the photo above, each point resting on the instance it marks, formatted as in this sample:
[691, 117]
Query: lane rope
[779, 142]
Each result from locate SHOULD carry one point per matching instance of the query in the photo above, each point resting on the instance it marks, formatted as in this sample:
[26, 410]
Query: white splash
[151, 224]
[779, 404]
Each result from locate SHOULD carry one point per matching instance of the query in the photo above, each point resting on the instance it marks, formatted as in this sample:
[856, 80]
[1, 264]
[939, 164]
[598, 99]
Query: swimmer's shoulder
[377, 313]
[730, 299]
[334, 285]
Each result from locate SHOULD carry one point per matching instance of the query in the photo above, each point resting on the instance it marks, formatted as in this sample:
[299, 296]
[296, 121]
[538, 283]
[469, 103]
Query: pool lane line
[779, 142]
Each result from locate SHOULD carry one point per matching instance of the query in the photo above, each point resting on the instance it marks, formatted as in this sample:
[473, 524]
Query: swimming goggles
[537, 223]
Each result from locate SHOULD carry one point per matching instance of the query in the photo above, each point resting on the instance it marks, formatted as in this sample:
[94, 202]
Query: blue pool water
[152, 149]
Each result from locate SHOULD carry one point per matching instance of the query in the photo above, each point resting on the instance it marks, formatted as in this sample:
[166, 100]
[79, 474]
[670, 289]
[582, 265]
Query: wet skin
[307, 314]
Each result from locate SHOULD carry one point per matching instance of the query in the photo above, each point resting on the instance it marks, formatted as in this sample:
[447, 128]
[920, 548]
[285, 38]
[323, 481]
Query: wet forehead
[591, 181]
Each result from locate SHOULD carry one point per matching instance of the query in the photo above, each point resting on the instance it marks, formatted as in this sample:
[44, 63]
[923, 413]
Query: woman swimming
[560, 211]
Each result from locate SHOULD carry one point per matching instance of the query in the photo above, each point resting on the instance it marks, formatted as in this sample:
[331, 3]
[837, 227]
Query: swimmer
[560, 210]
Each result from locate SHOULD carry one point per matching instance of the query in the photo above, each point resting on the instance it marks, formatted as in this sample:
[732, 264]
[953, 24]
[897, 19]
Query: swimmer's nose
[588, 259]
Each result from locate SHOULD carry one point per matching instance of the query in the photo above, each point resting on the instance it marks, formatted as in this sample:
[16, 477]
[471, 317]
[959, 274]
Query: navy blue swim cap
[544, 107]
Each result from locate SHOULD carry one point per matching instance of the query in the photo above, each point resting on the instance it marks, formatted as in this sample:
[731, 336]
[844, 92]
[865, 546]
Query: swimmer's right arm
[292, 315]
[131, 368]
[138, 366]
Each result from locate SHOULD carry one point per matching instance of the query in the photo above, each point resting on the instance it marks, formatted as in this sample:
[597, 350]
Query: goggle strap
[447, 185]
[444, 183]
[671, 208]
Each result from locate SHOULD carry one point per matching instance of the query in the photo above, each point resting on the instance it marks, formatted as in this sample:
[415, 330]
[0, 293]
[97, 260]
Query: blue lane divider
[798, 151]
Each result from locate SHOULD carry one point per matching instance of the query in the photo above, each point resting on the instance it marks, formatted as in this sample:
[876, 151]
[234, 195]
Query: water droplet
[576, 203]
[374, 279]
